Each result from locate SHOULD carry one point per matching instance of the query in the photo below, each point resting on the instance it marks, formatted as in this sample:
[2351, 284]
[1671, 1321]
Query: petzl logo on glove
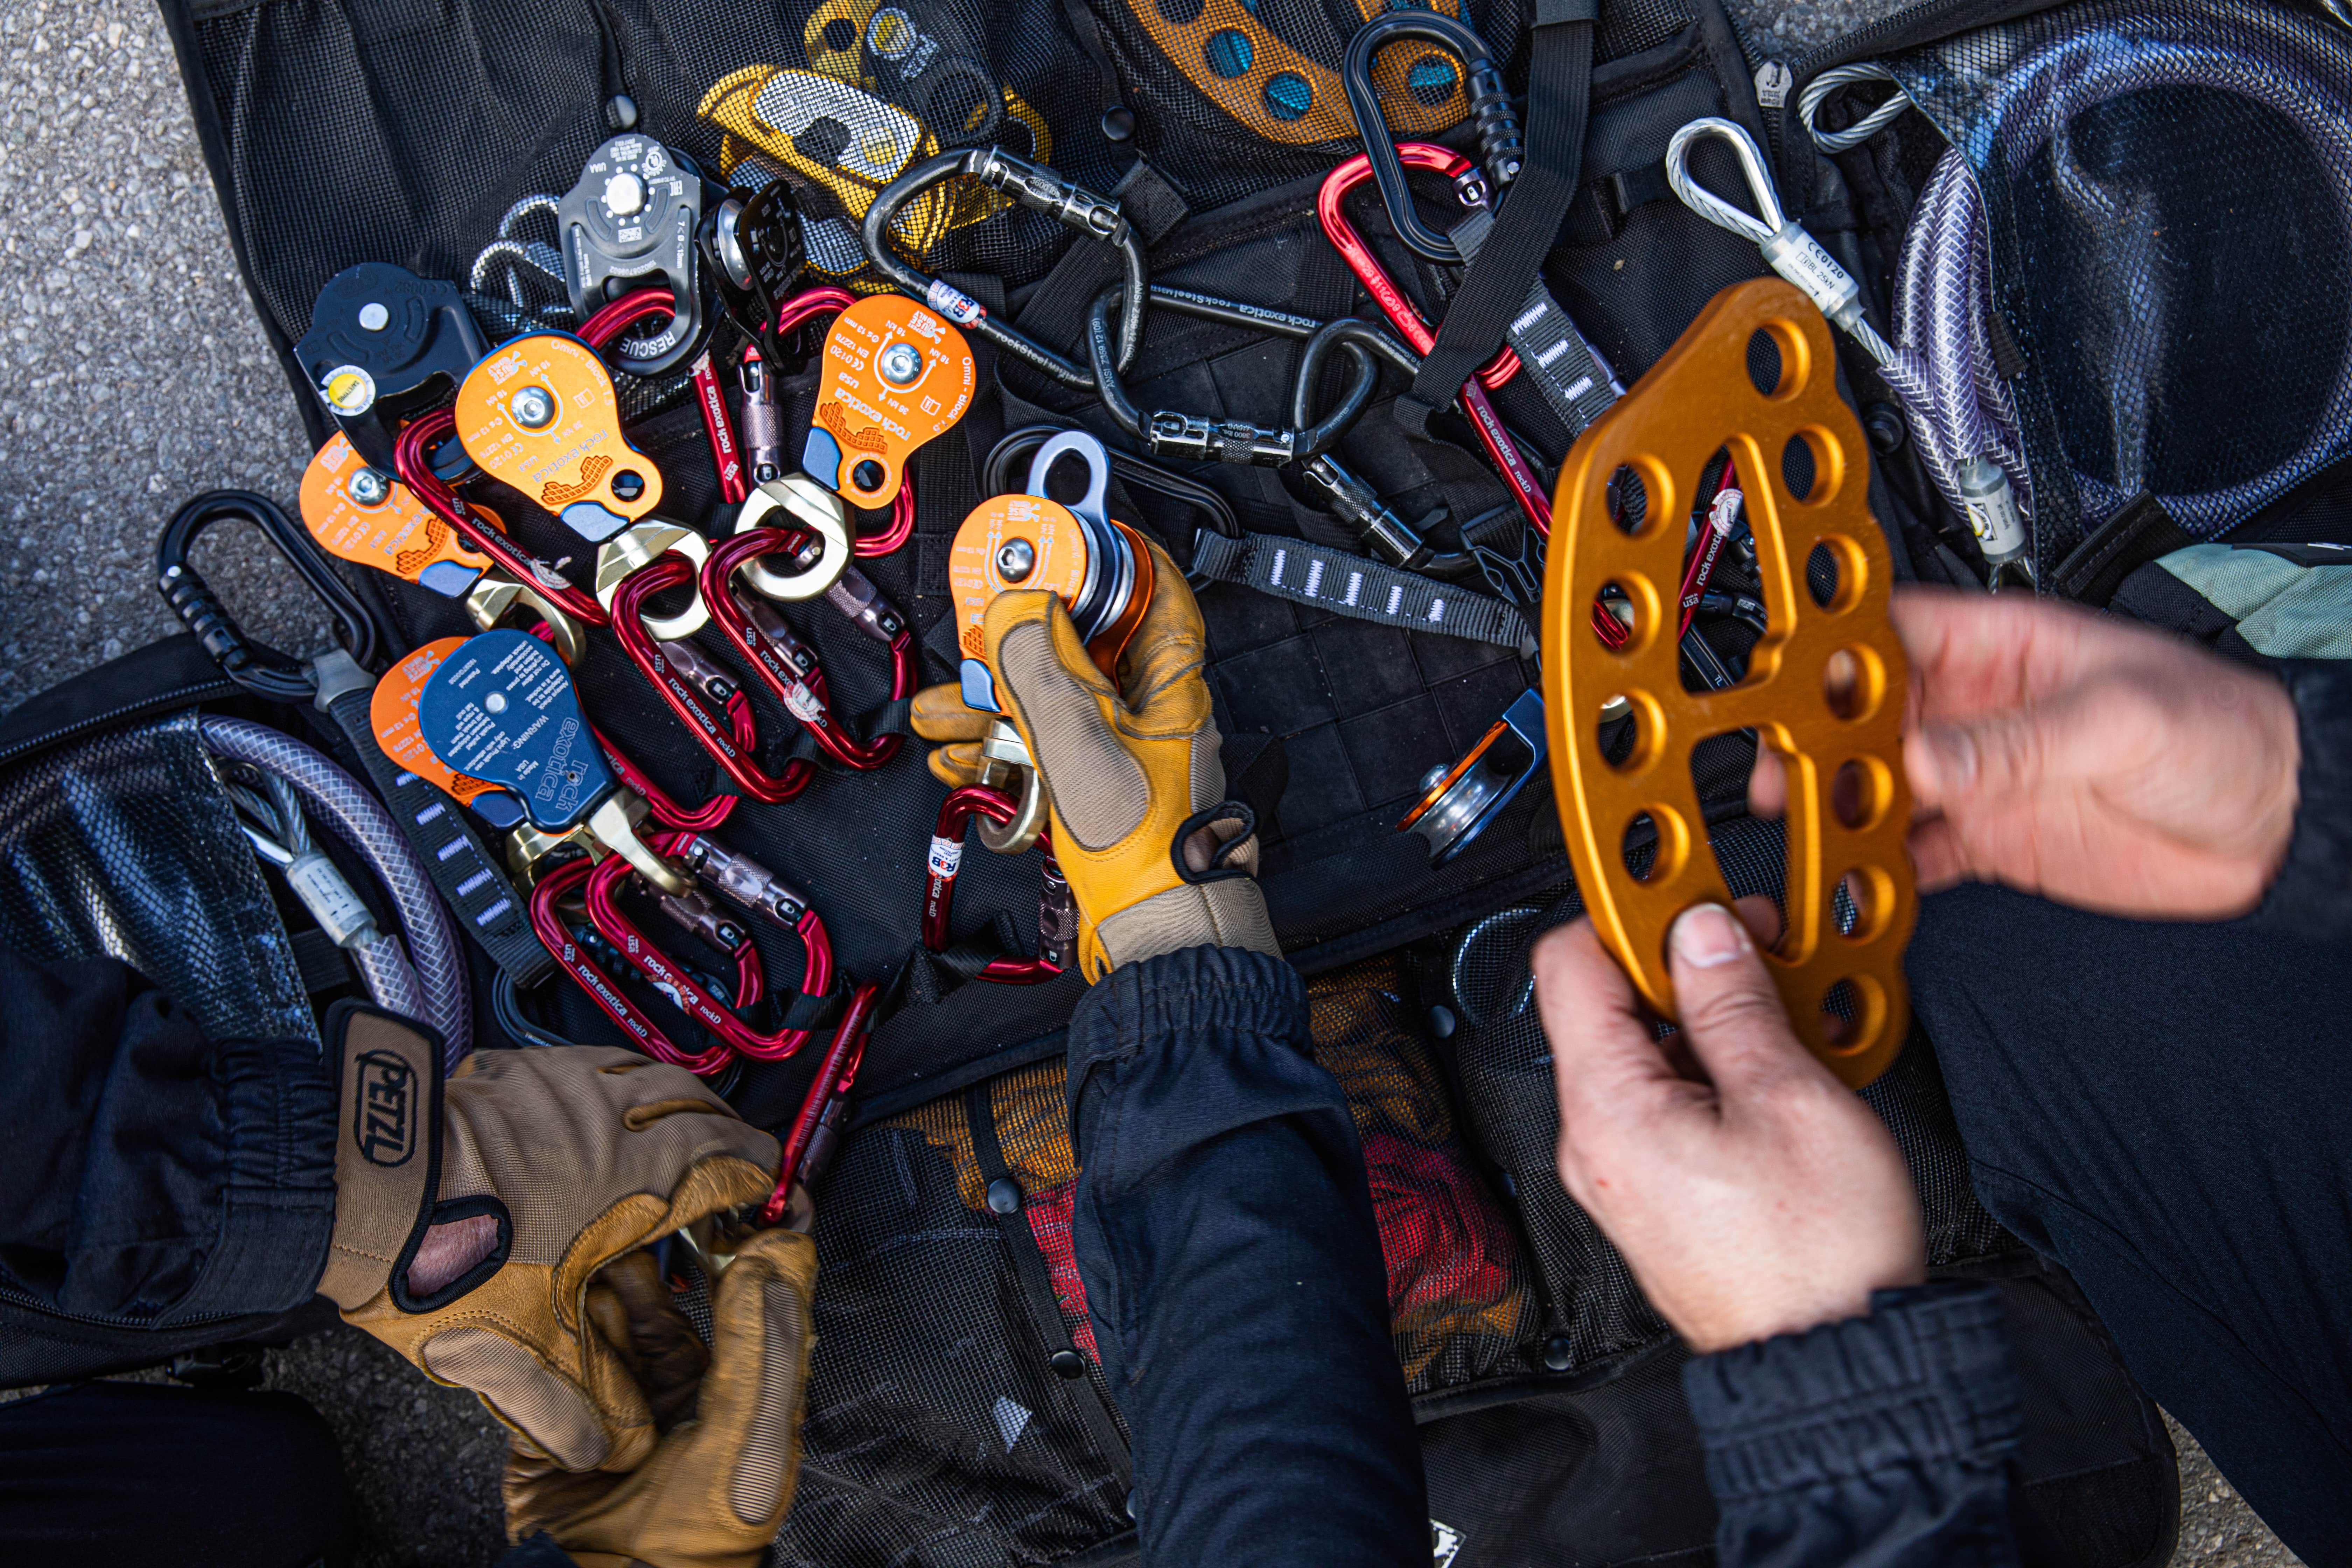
[383, 1115]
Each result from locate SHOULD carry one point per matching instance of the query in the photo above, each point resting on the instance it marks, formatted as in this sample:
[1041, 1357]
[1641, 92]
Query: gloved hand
[1157, 860]
[471, 1217]
[717, 1488]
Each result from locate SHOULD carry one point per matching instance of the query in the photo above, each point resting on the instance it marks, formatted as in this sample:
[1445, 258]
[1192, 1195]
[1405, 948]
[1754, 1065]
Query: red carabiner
[663, 805]
[770, 651]
[1330, 206]
[947, 861]
[1492, 435]
[409, 461]
[809, 1147]
[728, 748]
[816, 976]
[547, 922]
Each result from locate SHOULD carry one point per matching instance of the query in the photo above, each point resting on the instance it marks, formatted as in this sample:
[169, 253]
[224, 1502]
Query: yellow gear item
[562, 1159]
[1245, 67]
[719, 1481]
[1125, 767]
[1824, 687]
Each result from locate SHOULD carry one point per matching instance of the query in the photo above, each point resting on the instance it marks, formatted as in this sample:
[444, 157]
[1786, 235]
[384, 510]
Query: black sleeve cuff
[1925, 1381]
[2312, 892]
[1193, 993]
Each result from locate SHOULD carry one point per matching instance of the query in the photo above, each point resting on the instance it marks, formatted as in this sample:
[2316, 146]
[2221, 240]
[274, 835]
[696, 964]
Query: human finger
[1729, 1006]
[1603, 1055]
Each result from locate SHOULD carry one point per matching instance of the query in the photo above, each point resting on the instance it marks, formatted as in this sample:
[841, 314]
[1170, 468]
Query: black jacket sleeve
[1882, 1439]
[1224, 1229]
[2313, 889]
[157, 1190]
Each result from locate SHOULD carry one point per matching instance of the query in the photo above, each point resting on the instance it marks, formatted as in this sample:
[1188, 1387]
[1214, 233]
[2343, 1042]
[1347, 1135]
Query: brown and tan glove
[470, 1217]
[1157, 858]
[717, 1486]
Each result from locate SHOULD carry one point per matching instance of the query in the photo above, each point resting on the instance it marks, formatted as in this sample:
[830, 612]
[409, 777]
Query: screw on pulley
[369, 488]
[900, 364]
[1118, 123]
[533, 408]
[1015, 560]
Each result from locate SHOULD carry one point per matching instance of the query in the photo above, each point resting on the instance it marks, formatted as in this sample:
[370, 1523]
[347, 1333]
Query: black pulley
[381, 340]
[630, 222]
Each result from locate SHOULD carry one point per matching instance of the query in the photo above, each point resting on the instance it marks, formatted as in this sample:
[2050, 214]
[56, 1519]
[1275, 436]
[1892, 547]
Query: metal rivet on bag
[1118, 123]
[1067, 1363]
[1559, 1355]
[1004, 1195]
[1883, 422]
[621, 111]
[1442, 1022]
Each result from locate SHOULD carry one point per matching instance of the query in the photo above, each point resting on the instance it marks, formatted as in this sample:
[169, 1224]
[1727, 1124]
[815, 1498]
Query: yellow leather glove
[470, 1217]
[720, 1480]
[1128, 768]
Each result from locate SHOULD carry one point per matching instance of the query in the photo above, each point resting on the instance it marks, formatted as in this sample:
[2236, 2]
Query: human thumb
[1730, 1010]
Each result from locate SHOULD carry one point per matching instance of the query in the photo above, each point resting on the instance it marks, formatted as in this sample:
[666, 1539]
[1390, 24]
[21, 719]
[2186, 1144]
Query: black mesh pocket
[1596, 1309]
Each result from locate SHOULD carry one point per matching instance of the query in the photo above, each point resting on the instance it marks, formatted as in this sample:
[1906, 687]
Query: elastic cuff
[1925, 1376]
[1193, 992]
[2313, 891]
[387, 1147]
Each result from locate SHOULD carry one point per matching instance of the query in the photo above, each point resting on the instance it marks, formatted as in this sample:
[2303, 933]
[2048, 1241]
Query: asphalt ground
[138, 376]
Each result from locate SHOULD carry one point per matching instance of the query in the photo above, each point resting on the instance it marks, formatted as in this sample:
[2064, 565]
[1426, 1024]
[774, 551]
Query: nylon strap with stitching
[1494, 288]
[464, 872]
[1573, 379]
[1350, 586]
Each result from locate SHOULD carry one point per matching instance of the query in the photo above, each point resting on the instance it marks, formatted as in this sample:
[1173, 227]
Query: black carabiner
[1167, 433]
[1501, 148]
[1031, 185]
[255, 666]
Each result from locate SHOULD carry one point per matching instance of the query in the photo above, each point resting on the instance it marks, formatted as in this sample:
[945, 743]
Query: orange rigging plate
[1824, 687]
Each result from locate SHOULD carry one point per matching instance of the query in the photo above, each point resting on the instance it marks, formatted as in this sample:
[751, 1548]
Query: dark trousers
[136, 1475]
[1224, 1230]
[2167, 1110]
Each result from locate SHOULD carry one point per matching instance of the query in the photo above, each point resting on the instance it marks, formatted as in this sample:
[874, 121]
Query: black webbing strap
[482, 902]
[1350, 586]
[807, 1012]
[894, 717]
[1494, 288]
[1575, 381]
[1044, 1308]
[1055, 311]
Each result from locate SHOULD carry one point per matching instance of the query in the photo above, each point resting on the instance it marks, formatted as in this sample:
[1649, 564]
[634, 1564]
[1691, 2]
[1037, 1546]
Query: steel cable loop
[1788, 249]
[614, 924]
[1501, 146]
[384, 970]
[2279, 59]
[547, 922]
[1031, 186]
[961, 806]
[360, 822]
[1817, 92]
